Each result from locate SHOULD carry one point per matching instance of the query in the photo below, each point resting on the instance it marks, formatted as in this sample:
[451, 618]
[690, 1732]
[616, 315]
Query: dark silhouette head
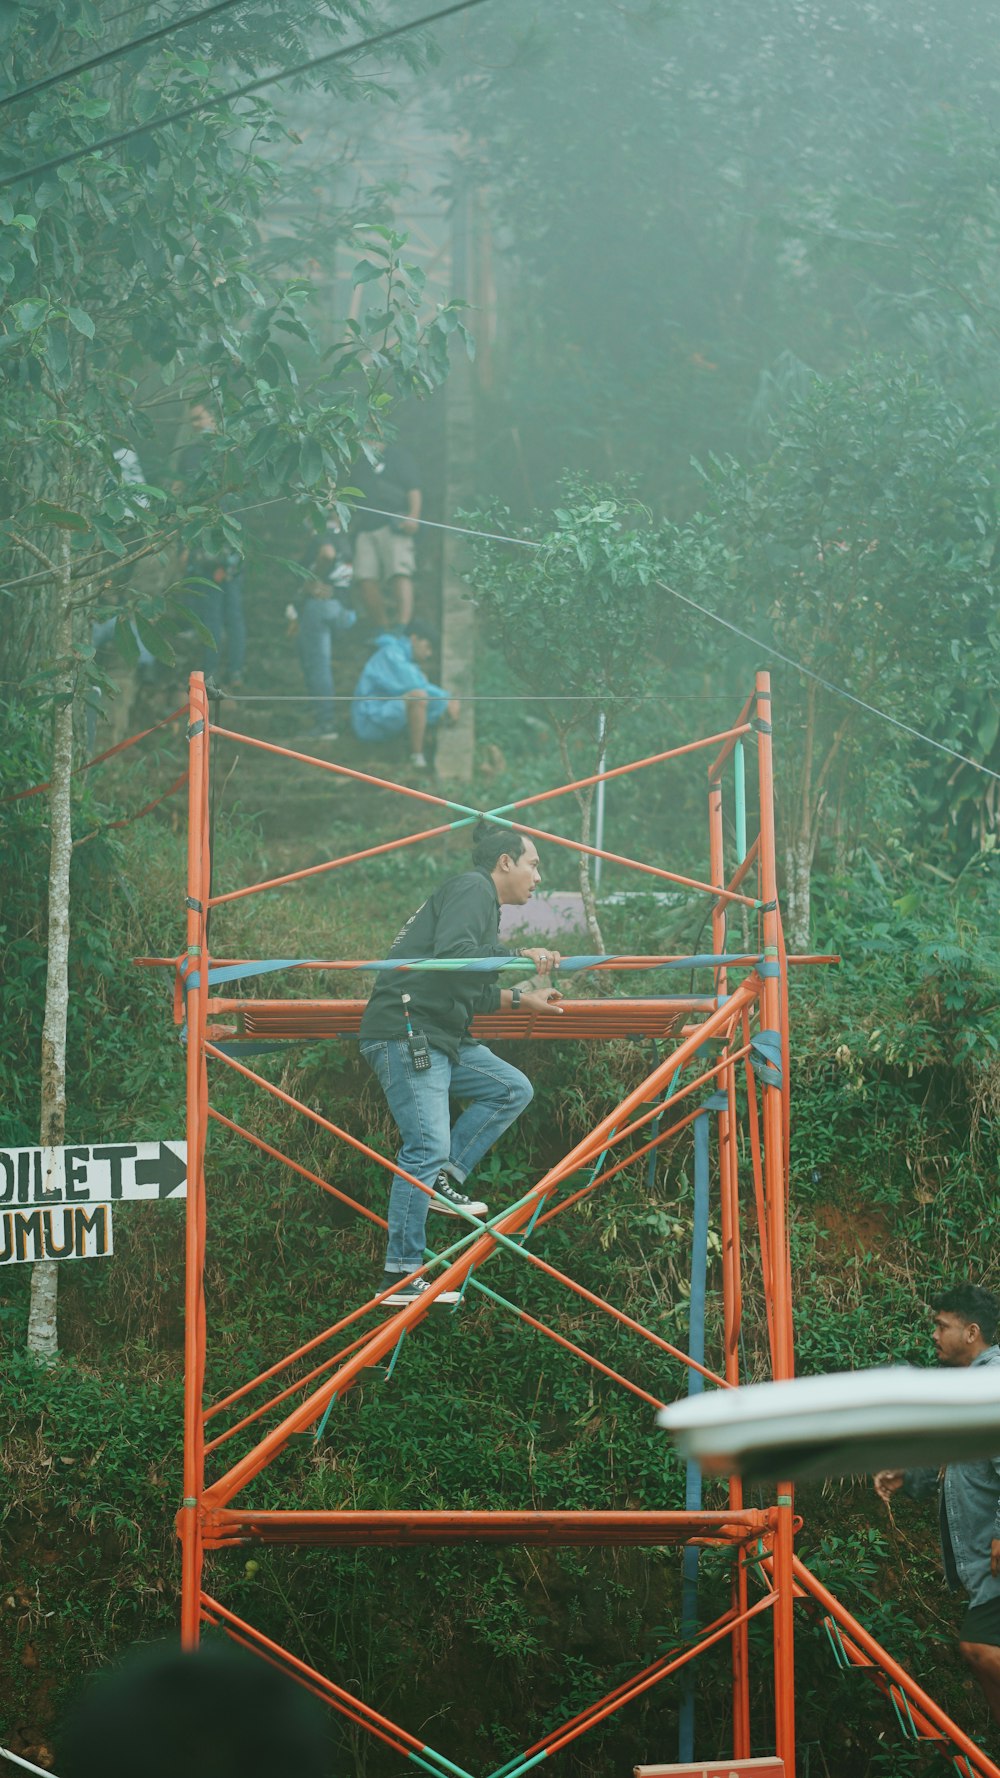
[215, 1713]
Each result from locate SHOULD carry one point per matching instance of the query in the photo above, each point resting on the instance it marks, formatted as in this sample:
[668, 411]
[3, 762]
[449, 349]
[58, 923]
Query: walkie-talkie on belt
[416, 1040]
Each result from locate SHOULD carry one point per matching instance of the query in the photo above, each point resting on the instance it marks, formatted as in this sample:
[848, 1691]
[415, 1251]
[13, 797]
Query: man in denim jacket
[965, 1323]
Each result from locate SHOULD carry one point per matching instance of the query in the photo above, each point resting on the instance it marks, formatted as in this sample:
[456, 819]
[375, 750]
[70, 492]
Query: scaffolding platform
[730, 1046]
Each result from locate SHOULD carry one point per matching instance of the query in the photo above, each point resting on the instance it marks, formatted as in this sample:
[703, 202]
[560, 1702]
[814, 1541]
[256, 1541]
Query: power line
[828, 684]
[239, 92]
[765, 647]
[462, 530]
[112, 55]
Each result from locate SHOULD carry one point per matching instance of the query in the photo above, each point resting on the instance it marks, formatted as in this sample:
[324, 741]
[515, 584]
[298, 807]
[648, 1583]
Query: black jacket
[461, 919]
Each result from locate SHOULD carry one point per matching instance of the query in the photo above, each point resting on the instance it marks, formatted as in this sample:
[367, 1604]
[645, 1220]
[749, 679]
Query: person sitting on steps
[394, 696]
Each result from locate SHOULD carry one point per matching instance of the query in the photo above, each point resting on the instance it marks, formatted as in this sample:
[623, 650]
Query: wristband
[515, 999]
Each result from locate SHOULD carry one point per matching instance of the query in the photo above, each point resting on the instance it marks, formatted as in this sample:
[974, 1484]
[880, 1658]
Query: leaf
[124, 640]
[150, 636]
[28, 314]
[61, 516]
[310, 462]
[91, 108]
[145, 103]
[365, 271]
[82, 322]
[56, 355]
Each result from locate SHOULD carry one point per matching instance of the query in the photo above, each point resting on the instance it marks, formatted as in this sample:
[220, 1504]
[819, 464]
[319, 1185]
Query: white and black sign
[105, 1173]
[60, 1231]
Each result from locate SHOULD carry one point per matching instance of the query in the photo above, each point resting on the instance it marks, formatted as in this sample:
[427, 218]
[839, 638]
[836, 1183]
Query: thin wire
[112, 55]
[766, 647]
[436, 525]
[491, 697]
[828, 684]
[238, 92]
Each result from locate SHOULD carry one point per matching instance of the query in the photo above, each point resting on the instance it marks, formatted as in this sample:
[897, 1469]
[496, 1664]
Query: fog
[680, 210]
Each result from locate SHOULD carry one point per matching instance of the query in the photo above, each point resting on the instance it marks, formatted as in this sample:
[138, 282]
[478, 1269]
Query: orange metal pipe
[275, 1401]
[653, 1667]
[619, 1166]
[649, 870]
[731, 1281]
[307, 1685]
[315, 870]
[551, 1179]
[551, 1530]
[774, 1180]
[741, 726]
[531, 1257]
[504, 810]
[753, 1123]
[893, 1670]
[640, 1123]
[352, 1706]
[286, 1160]
[730, 1189]
[744, 869]
[315, 1117]
[644, 1685]
[303, 1382]
[339, 771]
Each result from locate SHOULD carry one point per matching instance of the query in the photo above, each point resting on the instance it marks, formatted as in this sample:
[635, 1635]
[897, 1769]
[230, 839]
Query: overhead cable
[765, 647]
[239, 92]
[123, 49]
[828, 684]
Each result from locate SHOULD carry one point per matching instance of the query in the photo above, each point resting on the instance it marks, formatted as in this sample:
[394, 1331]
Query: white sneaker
[412, 1292]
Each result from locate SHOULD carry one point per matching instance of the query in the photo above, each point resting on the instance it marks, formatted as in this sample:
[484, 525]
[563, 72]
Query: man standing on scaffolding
[415, 1036]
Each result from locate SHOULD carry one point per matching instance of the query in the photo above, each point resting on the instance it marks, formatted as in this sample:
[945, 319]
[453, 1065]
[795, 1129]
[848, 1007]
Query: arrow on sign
[166, 1172]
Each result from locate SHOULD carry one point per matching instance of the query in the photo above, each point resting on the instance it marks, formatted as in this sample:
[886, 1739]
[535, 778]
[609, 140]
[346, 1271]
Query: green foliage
[481, 1411]
[576, 606]
[136, 278]
[707, 203]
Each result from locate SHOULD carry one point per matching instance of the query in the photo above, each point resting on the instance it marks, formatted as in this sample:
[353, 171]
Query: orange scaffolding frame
[747, 1015]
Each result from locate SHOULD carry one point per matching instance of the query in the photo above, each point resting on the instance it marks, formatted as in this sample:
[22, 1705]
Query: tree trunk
[43, 1336]
[585, 798]
[798, 884]
[586, 801]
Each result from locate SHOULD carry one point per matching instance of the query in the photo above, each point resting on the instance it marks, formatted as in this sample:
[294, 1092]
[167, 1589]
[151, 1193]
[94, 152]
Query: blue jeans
[317, 622]
[495, 1094]
[222, 613]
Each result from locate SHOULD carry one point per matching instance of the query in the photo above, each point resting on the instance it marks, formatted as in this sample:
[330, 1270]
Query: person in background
[220, 576]
[129, 473]
[965, 1324]
[384, 545]
[321, 615]
[212, 1713]
[416, 1037]
[394, 696]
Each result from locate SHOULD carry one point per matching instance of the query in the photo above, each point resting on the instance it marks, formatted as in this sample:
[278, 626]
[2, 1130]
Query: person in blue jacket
[394, 696]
